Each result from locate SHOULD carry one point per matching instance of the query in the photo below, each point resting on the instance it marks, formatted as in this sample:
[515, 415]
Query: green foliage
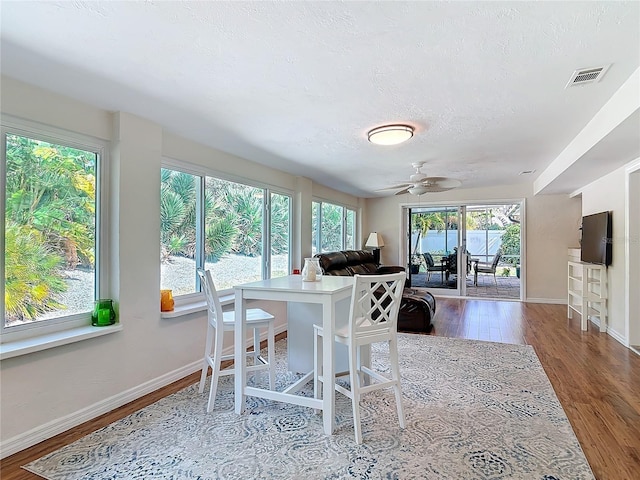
[177, 212]
[423, 222]
[49, 222]
[511, 244]
[233, 217]
[32, 276]
[331, 227]
[246, 203]
[280, 207]
[506, 271]
[221, 234]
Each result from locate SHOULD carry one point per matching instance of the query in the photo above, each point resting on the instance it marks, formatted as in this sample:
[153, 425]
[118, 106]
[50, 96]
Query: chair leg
[317, 364]
[215, 375]
[271, 355]
[395, 372]
[256, 346]
[205, 361]
[354, 379]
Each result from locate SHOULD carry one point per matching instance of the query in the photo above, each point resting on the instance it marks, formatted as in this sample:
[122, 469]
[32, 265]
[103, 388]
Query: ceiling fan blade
[440, 184]
[403, 191]
[393, 187]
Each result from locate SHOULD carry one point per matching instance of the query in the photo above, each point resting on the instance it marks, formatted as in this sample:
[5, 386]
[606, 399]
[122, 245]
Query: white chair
[373, 317]
[220, 322]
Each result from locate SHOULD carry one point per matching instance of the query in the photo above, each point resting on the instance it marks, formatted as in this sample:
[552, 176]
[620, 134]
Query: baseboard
[55, 427]
[618, 336]
[50, 429]
[553, 301]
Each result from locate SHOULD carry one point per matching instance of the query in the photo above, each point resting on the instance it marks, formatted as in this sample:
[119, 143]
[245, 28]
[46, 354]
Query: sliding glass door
[435, 235]
[465, 250]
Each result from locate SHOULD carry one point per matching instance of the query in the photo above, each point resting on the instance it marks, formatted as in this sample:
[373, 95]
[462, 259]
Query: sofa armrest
[389, 269]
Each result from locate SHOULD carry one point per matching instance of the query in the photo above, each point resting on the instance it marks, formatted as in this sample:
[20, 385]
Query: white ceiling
[297, 85]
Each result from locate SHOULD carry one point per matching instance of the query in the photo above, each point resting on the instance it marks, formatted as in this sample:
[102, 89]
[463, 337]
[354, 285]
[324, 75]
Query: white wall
[608, 194]
[57, 388]
[552, 223]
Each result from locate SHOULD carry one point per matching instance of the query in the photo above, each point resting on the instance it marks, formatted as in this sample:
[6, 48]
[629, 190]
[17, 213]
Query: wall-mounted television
[596, 238]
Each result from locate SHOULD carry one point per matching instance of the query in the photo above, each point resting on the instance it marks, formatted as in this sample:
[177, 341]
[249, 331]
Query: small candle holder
[166, 300]
[103, 313]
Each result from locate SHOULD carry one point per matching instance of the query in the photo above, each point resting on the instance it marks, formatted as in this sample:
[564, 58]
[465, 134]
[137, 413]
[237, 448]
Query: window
[239, 232]
[333, 228]
[51, 230]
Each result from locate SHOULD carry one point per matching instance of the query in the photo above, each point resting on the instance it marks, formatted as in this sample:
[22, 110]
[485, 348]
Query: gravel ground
[177, 274]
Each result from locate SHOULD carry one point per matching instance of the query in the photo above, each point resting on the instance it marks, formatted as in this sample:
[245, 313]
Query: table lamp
[375, 241]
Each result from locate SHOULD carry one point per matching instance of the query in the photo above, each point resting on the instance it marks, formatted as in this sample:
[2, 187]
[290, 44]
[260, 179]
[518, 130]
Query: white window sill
[195, 307]
[51, 340]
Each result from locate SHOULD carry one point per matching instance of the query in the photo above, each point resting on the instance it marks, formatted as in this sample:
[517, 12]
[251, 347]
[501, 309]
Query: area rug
[474, 410]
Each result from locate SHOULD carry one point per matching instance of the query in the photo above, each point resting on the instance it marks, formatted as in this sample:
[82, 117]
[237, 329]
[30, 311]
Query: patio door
[435, 248]
[440, 238]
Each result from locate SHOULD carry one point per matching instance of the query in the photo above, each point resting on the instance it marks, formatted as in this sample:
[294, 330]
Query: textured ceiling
[296, 85]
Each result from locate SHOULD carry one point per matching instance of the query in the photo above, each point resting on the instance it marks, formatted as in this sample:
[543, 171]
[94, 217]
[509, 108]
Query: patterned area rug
[475, 410]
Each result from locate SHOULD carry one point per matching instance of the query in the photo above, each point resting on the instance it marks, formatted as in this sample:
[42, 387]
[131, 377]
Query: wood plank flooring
[596, 379]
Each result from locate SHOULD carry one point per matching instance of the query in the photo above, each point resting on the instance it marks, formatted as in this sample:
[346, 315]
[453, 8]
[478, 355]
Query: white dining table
[327, 292]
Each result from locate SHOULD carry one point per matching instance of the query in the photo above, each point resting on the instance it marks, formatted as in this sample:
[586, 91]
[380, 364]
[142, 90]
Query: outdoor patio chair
[432, 267]
[485, 267]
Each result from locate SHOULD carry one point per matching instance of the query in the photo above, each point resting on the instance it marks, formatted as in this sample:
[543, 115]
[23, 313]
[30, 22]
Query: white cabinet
[587, 293]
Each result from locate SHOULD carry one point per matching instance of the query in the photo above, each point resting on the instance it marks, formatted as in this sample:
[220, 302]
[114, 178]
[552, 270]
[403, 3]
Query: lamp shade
[374, 240]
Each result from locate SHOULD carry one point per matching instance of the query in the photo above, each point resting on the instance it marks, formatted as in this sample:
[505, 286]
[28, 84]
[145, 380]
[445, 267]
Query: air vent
[587, 75]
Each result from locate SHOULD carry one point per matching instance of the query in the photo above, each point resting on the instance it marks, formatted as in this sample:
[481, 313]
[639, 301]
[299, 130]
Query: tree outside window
[49, 230]
[221, 226]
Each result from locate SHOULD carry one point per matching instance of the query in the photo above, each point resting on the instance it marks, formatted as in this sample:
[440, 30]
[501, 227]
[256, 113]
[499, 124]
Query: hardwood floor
[596, 379]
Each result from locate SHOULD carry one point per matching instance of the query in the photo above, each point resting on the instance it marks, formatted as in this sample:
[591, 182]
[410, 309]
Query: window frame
[344, 231]
[203, 173]
[36, 131]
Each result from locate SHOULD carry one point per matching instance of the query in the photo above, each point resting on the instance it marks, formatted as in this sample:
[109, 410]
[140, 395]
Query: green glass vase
[103, 313]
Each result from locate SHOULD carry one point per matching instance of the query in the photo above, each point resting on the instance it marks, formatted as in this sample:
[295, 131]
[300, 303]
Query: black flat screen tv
[596, 238]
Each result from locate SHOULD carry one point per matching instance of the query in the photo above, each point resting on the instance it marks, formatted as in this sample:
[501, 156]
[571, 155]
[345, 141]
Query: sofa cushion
[333, 261]
[363, 269]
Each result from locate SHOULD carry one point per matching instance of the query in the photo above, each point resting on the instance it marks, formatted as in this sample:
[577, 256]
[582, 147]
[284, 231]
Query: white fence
[481, 244]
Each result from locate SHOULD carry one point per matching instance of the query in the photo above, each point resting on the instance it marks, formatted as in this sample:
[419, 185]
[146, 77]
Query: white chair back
[214, 309]
[375, 304]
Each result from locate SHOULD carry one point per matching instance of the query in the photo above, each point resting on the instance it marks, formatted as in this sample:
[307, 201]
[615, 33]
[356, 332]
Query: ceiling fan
[420, 183]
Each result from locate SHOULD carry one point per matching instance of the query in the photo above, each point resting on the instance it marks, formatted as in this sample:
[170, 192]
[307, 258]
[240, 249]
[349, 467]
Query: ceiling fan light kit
[418, 190]
[419, 183]
[390, 134]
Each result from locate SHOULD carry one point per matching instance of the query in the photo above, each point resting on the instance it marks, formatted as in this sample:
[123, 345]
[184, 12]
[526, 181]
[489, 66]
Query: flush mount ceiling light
[390, 134]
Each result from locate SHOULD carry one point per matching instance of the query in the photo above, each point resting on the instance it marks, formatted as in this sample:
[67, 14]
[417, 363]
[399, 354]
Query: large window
[333, 227]
[239, 232]
[50, 235]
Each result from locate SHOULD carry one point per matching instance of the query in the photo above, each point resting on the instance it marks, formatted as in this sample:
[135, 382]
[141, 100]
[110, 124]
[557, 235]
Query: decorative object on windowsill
[311, 272]
[166, 300]
[103, 313]
[375, 241]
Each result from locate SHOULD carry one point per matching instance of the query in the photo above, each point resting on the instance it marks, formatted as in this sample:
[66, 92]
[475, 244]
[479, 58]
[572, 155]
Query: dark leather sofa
[416, 309]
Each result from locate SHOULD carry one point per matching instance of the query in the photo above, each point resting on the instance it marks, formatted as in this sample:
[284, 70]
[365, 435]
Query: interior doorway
[469, 250]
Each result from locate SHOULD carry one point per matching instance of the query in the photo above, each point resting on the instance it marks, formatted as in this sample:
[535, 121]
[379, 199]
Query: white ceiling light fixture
[418, 189]
[390, 134]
